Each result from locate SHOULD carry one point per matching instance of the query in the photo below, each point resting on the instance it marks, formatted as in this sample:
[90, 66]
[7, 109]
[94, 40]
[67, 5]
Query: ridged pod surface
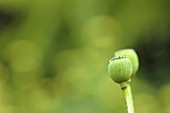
[120, 69]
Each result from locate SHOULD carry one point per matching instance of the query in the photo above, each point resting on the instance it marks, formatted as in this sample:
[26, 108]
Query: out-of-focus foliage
[54, 55]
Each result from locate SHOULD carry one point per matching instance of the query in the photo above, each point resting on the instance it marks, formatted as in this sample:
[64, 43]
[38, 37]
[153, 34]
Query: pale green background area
[54, 55]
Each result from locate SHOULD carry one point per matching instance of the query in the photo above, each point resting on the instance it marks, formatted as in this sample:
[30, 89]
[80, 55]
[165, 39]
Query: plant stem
[128, 97]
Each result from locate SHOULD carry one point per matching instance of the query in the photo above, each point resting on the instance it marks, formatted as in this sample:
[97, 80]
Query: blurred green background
[54, 55]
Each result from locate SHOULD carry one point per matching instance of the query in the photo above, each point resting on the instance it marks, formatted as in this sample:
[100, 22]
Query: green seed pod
[132, 55]
[120, 69]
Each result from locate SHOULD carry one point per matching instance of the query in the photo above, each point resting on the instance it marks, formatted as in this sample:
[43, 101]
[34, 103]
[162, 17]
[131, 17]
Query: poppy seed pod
[120, 69]
[132, 55]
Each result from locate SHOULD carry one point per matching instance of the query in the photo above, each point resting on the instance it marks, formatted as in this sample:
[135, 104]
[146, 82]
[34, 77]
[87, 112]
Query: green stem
[128, 96]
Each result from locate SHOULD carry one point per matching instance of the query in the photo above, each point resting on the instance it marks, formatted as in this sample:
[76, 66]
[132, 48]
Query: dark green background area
[54, 55]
